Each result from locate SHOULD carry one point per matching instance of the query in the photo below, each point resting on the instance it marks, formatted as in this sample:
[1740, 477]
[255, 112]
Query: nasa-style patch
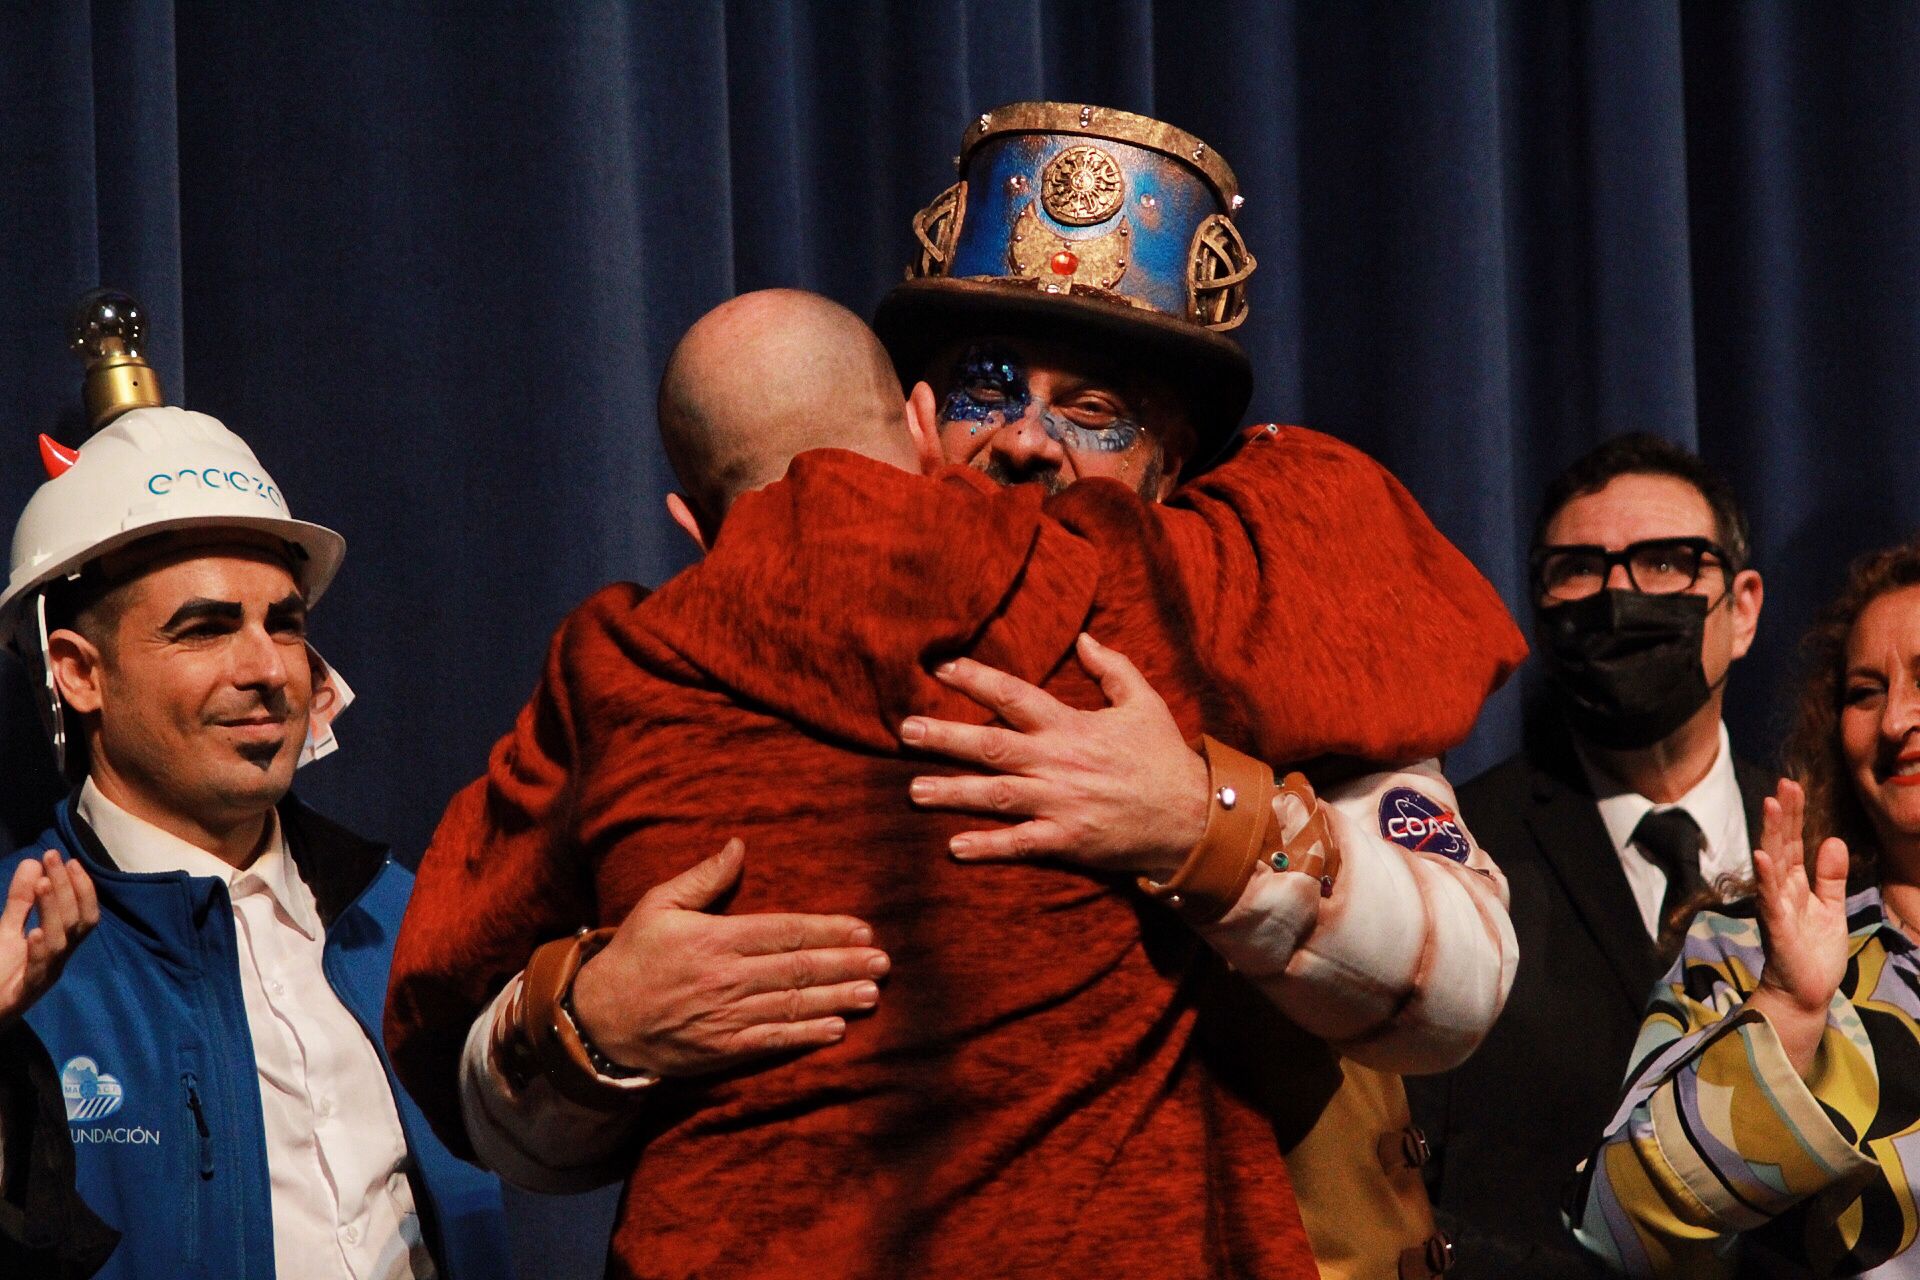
[1416, 821]
[91, 1094]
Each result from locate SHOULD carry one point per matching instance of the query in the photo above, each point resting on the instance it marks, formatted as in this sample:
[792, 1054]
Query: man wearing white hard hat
[227, 1095]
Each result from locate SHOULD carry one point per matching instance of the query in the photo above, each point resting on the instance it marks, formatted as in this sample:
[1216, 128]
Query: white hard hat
[149, 471]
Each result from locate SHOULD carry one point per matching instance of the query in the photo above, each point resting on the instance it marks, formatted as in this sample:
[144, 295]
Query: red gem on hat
[1064, 262]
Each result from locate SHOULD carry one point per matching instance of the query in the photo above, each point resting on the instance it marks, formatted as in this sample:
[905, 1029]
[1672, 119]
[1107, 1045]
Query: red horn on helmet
[56, 457]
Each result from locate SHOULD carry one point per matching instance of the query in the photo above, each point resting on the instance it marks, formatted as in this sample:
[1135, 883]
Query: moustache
[277, 708]
[1052, 479]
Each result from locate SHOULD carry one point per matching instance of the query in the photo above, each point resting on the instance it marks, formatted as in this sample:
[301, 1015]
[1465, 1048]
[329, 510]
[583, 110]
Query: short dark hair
[90, 604]
[1640, 453]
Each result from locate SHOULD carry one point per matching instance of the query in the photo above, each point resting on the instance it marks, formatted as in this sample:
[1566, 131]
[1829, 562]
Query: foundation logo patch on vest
[91, 1094]
[1417, 821]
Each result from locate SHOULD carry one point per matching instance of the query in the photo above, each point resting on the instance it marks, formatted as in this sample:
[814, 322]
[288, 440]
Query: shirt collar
[141, 848]
[1712, 802]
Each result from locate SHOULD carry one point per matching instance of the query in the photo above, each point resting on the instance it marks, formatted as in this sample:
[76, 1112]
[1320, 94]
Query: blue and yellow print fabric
[1722, 1161]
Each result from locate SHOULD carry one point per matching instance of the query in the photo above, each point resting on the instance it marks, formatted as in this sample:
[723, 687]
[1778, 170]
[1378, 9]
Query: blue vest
[148, 1029]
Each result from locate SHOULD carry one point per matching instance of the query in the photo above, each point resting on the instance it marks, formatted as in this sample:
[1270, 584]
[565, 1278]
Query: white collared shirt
[1714, 802]
[336, 1154]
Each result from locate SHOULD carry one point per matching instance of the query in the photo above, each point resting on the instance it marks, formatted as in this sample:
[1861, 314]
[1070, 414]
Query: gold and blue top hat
[1084, 224]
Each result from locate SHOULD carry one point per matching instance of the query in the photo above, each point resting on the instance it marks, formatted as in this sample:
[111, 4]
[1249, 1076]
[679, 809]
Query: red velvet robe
[1030, 1096]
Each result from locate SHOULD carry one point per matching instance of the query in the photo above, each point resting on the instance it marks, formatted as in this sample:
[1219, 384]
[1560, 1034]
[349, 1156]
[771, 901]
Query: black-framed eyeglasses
[1658, 567]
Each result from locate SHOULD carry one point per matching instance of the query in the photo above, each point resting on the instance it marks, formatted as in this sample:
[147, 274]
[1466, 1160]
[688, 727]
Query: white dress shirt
[336, 1154]
[1714, 803]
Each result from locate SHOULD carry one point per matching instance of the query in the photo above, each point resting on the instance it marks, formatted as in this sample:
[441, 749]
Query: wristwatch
[538, 1036]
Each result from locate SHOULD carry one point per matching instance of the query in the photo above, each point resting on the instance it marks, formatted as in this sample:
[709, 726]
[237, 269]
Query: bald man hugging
[1064, 1075]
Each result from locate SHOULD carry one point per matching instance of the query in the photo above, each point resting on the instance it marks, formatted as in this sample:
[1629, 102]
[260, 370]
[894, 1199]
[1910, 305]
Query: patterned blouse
[1721, 1161]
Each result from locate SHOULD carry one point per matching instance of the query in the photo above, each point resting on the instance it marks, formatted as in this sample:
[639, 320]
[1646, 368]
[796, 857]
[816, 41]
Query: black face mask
[1625, 666]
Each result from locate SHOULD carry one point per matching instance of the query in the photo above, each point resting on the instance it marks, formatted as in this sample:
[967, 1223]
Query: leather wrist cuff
[1313, 850]
[1242, 830]
[1239, 818]
[542, 1037]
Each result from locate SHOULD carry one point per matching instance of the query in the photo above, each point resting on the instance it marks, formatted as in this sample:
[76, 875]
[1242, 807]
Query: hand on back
[1117, 789]
[684, 992]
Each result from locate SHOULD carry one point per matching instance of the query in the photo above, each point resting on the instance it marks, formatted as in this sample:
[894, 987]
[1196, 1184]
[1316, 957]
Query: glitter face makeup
[1032, 419]
[989, 381]
[1117, 437]
[992, 381]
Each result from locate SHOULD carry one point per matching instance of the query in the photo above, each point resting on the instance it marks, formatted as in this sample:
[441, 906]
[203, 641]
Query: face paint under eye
[1116, 437]
[994, 372]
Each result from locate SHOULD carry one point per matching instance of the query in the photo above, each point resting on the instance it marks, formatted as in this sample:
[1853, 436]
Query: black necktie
[1672, 841]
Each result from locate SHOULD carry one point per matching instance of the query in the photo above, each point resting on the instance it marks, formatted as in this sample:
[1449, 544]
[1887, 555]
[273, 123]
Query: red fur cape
[1031, 1096]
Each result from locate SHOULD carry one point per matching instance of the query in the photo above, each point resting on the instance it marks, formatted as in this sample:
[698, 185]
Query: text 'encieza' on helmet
[152, 471]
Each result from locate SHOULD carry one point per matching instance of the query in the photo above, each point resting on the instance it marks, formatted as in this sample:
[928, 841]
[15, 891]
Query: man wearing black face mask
[1627, 809]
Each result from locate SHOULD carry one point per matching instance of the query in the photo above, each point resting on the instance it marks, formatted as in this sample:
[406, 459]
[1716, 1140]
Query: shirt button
[1404, 1149]
[1424, 1262]
[326, 1107]
[276, 988]
[351, 1235]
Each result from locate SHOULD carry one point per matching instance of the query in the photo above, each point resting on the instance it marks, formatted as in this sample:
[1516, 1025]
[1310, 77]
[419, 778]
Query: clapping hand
[1803, 926]
[30, 959]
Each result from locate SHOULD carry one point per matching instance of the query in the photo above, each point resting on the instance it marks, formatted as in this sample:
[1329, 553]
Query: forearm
[531, 1135]
[1408, 962]
[1798, 1028]
[1720, 1139]
[1339, 619]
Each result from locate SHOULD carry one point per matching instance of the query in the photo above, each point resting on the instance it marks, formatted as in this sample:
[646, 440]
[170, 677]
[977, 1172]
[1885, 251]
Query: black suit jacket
[1508, 1126]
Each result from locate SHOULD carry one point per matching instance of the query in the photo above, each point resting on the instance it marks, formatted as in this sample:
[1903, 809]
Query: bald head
[765, 377]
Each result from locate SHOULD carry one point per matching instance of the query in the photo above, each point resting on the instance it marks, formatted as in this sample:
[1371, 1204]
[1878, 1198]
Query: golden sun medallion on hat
[1082, 186]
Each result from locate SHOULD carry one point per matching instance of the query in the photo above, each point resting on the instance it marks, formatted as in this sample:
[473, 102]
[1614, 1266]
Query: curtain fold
[430, 263]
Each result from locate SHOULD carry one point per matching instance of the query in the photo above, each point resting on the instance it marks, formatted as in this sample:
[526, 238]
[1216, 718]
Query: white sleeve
[533, 1137]
[1406, 965]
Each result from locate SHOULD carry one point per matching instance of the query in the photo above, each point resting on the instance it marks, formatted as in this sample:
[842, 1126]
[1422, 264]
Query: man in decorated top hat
[1090, 238]
[216, 1034]
[1070, 308]
[1366, 695]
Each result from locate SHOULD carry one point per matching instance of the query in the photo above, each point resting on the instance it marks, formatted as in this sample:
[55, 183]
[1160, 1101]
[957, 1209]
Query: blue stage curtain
[428, 260]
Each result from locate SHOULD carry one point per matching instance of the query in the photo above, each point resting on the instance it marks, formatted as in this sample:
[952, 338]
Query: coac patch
[1416, 821]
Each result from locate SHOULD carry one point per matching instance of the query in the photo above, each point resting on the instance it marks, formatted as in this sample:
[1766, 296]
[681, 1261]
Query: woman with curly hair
[1771, 1119]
